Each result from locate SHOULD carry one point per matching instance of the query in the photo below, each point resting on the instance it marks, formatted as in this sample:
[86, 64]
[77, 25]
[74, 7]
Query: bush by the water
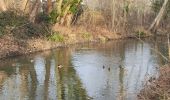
[9, 20]
[13, 23]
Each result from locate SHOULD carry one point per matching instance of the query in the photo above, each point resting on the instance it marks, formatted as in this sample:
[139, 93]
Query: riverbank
[14, 44]
[21, 43]
[157, 89]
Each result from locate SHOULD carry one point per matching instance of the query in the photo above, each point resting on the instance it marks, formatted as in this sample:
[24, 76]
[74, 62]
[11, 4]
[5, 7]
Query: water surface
[104, 71]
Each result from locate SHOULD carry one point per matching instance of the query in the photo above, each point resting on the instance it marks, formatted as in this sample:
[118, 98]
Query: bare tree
[158, 18]
[34, 10]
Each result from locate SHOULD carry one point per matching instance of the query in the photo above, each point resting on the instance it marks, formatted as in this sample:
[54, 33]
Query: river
[115, 70]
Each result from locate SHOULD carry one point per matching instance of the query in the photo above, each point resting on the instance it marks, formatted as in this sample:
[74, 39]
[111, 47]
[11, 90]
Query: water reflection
[130, 62]
[111, 71]
[41, 79]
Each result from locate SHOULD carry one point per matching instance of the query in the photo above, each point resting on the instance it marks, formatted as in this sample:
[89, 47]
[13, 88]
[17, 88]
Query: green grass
[56, 37]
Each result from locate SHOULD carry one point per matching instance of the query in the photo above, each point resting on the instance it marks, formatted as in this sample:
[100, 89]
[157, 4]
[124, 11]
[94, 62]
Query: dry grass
[157, 89]
[95, 33]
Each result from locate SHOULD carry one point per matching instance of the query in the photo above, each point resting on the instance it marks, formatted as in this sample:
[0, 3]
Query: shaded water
[110, 71]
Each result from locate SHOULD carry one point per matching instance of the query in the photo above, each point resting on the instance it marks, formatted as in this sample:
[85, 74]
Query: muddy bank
[157, 89]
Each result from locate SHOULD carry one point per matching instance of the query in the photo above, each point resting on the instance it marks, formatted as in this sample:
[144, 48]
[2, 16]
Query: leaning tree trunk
[34, 11]
[158, 18]
[65, 13]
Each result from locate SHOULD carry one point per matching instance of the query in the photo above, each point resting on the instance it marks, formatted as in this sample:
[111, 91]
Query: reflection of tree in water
[47, 78]
[5, 72]
[69, 85]
[17, 75]
[33, 86]
[121, 72]
[64, 82]
[121, 80]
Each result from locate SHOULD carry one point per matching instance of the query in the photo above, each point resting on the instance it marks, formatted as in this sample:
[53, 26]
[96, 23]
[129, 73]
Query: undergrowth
[20, 27]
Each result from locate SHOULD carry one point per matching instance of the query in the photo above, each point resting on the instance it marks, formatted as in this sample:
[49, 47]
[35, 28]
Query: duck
[109, 69]
[103, 66]
[59, 66]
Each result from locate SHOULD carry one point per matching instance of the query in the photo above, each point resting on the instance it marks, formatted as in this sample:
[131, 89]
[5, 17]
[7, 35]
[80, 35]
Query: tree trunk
[49, 6]
[34, 11]
[65, 13]
[158, 18]
[59, 6]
